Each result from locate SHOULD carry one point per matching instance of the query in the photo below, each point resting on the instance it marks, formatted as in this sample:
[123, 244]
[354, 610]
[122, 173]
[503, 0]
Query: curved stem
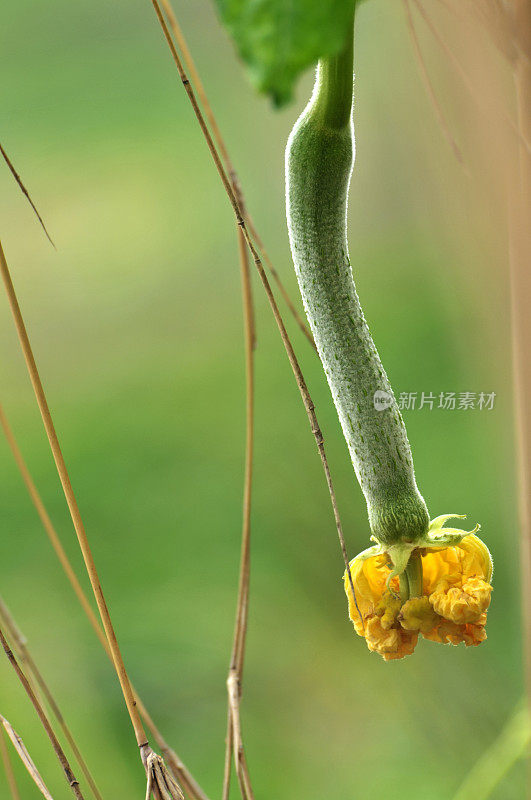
[334, 85]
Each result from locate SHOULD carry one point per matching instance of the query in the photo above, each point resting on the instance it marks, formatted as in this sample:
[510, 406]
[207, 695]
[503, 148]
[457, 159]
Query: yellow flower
[456, 589]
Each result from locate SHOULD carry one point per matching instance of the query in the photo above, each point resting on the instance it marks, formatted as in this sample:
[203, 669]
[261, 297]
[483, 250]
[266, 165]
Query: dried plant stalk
[160, 782]
[234, 739]
[236, 664]
[25, 757]
[520, 261]
[58, 750]
[301, 383]
[25, 192]
[64, 477]
[178, 768]
[20, 645]
[477, 97]
[229, 167]
[509, 26]
[233, 683]
[8, 767]
[429, 86]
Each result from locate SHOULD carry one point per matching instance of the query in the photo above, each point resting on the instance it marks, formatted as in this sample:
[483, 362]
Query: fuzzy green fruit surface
[319, 162]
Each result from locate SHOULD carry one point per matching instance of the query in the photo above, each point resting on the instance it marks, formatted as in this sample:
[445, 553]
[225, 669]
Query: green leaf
[279, 39]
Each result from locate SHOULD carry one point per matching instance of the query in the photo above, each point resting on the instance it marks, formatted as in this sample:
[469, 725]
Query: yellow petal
[417, 614]
[462, 604]
[391, 644]
[469, 558]
[376, 619]
[446, 632]
[388, 609]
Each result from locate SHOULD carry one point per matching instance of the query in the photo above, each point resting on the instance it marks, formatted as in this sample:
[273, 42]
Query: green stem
[403, 590]
[413, 572]
[319, 160]
[334, 85]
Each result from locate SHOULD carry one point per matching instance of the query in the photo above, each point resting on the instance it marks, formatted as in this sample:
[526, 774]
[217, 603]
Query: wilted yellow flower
[452, 605]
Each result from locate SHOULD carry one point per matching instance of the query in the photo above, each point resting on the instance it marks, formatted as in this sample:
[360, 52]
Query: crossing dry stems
[301, 383]
[246, 225]
[508, 25]
[64, 477]
[234, 736]
[197, 83]
[234, 741]
[8, 766]
[480, 100]
[178, 768]
[429, 86]
[25, 757]
[19, 644]
[234, 679]
[37, 705]
[71, 500]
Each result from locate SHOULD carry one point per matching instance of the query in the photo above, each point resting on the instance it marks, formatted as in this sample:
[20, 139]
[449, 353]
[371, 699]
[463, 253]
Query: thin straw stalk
[234, 680]
[25, 192]
[236, 665]
[509, 27]
[58, 750]
[477, 97]
[520, 260]
[301, 383]
[20, 645]
[429, 86]
[179, 770]
[71, 501]
[8, 767]
[64, 477]
[229, 167]
[22, 752]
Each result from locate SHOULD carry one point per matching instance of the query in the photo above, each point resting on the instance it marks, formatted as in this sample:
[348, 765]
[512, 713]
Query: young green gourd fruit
[319, 163]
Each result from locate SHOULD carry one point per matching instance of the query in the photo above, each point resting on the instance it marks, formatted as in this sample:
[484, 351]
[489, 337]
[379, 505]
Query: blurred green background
[137, 329]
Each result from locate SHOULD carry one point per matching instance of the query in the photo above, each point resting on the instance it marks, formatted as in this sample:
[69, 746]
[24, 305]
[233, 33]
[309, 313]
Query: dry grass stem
[25, 192]
[160, 783]
[229, 167]
[520, 261]
[8, 767]
[478, 97]
[178, 768]
[64, 477]
[49, 528]
[509, 27]
[242, 606]
[301, 383]
[58, 750]
[19, 644]
[71, 501]
[429, 86]
[235, 741]
[25, 757]
[272, 269]
[516, 29]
